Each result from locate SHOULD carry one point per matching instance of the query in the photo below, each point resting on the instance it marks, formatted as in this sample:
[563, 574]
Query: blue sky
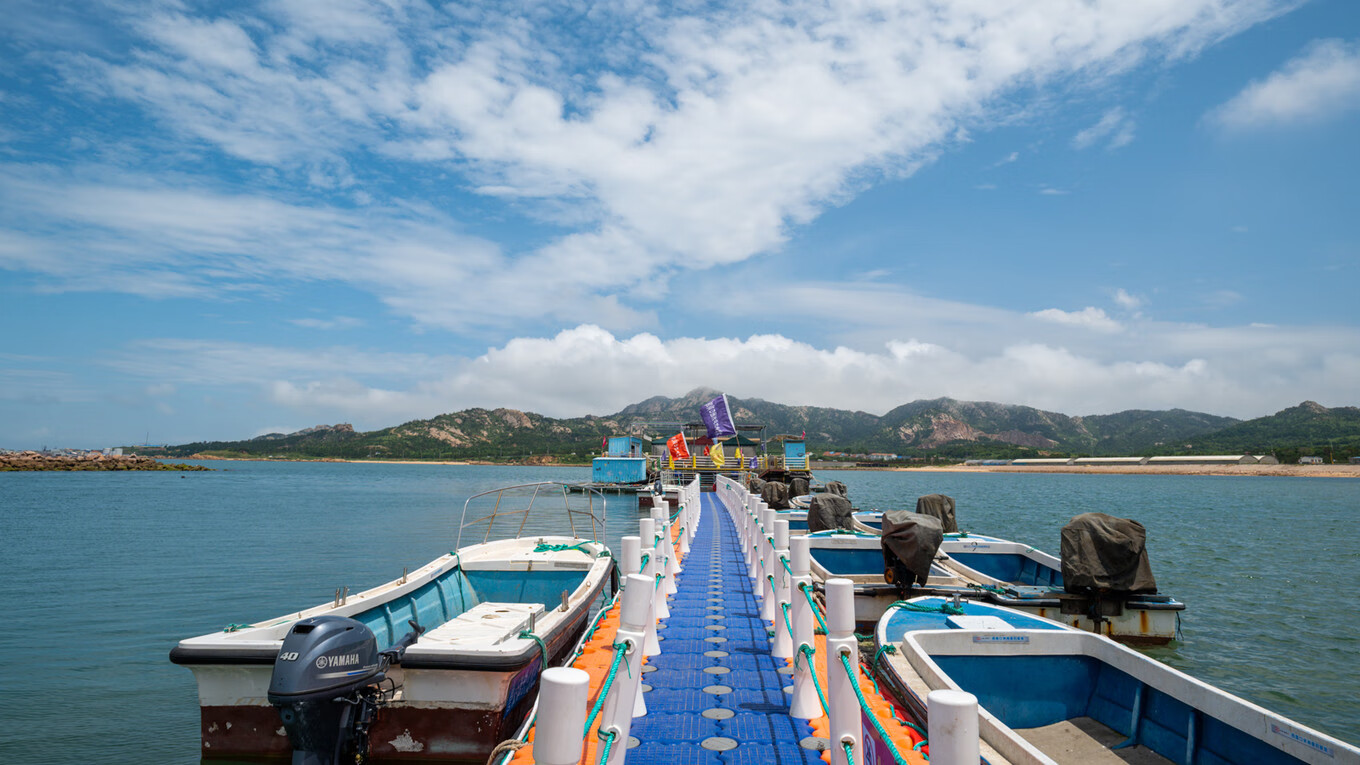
[223, 220]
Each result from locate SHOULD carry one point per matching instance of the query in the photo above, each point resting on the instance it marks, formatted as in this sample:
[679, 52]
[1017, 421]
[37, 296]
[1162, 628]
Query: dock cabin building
[623, 462]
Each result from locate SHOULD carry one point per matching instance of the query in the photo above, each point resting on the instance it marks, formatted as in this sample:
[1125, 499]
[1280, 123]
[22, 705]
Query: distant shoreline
[1291, 471]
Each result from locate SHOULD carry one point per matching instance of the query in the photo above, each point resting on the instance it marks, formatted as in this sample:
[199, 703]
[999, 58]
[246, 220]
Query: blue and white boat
[1018, 576]
[998, 571]
[1053, 695]
[858, 556]
[495, 614]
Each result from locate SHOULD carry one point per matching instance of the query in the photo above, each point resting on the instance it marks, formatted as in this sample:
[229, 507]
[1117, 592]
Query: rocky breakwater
[10, 461]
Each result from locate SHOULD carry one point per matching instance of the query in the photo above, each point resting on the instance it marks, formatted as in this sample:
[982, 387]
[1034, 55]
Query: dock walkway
[717, 695]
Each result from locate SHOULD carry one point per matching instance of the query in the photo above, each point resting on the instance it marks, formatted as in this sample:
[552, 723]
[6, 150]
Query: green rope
[590, 632]
[608, 744]
[646, 557]
[619, 656]
[787, 623]
[886, 648]
[944, 608]
[988, 588]
[893, 709]
[543, 649]
[864, 707]
[806, 588]
[787, 567]
[849, 752]
[235, 627]
[809, 652]
[579, 546]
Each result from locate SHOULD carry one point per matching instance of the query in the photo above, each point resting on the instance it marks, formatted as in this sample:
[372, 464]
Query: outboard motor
[829, 511]
[1104, 560]
[940, 506]
[910, 541]
[328, 685]
[775, 494]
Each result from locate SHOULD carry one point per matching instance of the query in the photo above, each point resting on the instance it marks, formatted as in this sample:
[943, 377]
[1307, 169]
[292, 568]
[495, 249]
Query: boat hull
[463, 688]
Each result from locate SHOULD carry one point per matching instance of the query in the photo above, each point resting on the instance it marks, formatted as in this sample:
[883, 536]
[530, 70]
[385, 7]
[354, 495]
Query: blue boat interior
[903, 621]
[456, 590]
[849, 560]
[1035, 691]
[1011, 567]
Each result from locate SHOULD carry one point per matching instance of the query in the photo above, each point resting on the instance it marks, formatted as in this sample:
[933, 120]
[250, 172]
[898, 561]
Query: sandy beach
[1298, 471]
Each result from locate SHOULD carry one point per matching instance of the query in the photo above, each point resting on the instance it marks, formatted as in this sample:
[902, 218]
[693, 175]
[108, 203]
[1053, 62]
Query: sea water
[104, 572]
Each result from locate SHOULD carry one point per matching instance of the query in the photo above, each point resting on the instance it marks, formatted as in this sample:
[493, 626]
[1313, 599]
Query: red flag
[604, 445]
[677, 447]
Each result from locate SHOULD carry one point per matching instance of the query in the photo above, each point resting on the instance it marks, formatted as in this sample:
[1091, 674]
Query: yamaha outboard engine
[327, 685]
[910, 541]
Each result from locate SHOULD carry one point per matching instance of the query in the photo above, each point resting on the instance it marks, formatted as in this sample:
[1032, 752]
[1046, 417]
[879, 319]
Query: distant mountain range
[943, 428]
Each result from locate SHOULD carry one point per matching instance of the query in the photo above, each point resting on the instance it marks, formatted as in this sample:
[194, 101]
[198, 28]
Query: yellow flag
[715, 454]
[672, 457]
[738, 454]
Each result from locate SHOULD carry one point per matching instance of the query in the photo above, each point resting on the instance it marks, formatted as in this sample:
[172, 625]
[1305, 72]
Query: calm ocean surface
[104, 572]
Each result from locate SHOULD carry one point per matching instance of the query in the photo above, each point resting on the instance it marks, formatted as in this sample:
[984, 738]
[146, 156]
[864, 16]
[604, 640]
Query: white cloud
[1243, 371]
[1115, 129]
[1089, 318]
[1127, 300]
[337, 322]
[1322, 81]
[685, 142]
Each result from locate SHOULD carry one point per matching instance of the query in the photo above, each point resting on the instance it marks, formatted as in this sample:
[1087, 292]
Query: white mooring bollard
[562, 697]
[647, 530]
[620, 706]
[805, 704]
[783, 639]
[767, 566]
[953, 727]
[630, 565]
[846, 725]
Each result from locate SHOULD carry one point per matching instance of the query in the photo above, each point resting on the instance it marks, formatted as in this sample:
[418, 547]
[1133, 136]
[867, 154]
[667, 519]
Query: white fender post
[630, 566]
[666, 548]
[783, 639]
[661, 511]
[562, 697]
[845, 715]
[625, 696]
[953, 727]
[752, 537]
[685, 524]
[767, 567]
[805, 704]
[647, 530]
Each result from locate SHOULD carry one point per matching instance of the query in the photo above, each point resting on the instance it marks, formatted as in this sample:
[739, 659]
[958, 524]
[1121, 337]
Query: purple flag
[753, 463]
[718, 418]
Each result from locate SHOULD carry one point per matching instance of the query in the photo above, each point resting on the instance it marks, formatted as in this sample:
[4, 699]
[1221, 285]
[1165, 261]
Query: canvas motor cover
[775, 494]
[828, 511]
[798, 487]
[837, 488]
[913, 538]
[939, 506]
[755, 484]
[1104, 553]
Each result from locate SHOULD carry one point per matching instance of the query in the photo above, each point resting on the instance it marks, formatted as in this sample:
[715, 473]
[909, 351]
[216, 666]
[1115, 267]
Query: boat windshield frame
[543, 492]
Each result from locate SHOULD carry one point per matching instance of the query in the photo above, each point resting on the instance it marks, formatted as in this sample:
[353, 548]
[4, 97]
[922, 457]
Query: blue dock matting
[715, 612]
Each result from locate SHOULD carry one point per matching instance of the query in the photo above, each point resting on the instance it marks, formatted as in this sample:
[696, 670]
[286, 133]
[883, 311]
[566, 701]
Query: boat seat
[1083, 741]
[485, 624]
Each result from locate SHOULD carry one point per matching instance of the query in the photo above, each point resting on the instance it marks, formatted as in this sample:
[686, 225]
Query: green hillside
[939, 429]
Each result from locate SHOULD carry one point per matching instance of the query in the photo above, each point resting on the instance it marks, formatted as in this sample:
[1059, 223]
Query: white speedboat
[494, 615]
